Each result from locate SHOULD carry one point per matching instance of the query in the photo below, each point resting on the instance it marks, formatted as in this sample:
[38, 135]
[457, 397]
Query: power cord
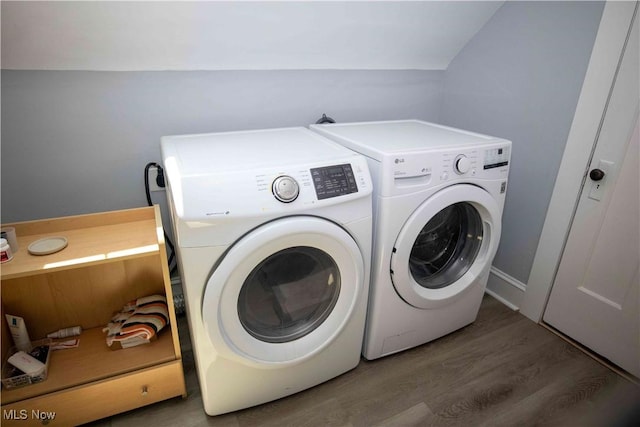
[324, 119]
[161, 183]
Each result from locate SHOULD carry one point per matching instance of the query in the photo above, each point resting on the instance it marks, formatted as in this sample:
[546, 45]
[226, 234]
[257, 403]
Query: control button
[444, 176]
[285, 189]
[462, 164]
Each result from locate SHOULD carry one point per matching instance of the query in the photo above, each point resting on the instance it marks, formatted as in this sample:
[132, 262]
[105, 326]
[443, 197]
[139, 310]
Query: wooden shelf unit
[111, 258]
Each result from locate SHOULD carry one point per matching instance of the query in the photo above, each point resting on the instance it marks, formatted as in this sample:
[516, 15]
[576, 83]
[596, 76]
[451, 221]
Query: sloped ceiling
[238, 35]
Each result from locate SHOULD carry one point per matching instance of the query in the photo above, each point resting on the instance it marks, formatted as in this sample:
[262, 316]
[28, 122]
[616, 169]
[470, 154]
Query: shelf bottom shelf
[93, 360]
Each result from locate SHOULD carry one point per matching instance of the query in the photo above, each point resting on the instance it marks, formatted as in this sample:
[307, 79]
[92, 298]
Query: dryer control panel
[274, 190]
[243, 179]
[327, 181]
[333, 181]
[311, 185]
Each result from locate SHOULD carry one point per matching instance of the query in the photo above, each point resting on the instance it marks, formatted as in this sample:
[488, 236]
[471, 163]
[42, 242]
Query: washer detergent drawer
[99, 399]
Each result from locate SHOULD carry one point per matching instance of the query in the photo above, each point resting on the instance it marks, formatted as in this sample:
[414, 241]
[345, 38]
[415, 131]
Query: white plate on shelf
[48, 245]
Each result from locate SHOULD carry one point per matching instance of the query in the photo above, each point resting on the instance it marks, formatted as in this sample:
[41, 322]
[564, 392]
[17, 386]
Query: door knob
[596, 174]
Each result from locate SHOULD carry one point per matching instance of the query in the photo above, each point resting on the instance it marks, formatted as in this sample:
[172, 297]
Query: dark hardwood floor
[503, 370]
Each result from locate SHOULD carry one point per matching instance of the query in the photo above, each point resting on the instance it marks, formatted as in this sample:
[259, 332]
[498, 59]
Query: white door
[595, 296]
[283, 292]
[445, 246]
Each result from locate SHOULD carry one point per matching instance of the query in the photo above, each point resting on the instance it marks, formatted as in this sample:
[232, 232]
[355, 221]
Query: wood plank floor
[503, 370]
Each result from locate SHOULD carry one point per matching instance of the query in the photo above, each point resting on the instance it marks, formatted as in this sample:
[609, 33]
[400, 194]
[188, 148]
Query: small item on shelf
[19, 332]
[26, 363]
[6, 254]
[66, 332]
[48, 245]
[24, 368]
[138, 323]
[9, 233]
[63, 345]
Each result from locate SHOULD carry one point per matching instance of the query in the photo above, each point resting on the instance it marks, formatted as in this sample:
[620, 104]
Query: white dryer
[438, 199]
[273, 233]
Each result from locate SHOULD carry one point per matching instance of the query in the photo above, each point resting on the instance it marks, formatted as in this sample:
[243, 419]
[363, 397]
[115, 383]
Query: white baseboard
[506, 289]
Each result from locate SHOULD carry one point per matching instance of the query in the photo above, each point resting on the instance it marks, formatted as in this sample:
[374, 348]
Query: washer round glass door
[445, 245]
[289, 294]
[283, 291]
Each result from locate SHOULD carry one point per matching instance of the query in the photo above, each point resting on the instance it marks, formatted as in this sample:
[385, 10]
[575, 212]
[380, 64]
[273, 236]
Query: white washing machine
[273, 235]
[438, 199]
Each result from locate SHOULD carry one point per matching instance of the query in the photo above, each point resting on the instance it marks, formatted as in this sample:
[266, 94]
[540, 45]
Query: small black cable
[324, 119]
[172, 249]
[146, 181]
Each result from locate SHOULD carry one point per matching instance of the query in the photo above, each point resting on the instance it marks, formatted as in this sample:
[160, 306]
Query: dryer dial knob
[285, 189]
[462, 164]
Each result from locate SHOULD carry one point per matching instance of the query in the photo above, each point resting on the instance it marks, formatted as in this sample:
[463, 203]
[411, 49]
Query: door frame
[613, 33]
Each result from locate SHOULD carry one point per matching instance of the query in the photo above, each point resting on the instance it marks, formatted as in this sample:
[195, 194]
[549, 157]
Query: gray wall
[520, 79]
[77, 142]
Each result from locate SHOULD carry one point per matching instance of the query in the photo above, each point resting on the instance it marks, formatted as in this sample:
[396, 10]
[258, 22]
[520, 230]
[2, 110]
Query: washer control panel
[285, 188]
[333, 181]
[462, 164]
[496, 158]
[488, 162]
[410, 171]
